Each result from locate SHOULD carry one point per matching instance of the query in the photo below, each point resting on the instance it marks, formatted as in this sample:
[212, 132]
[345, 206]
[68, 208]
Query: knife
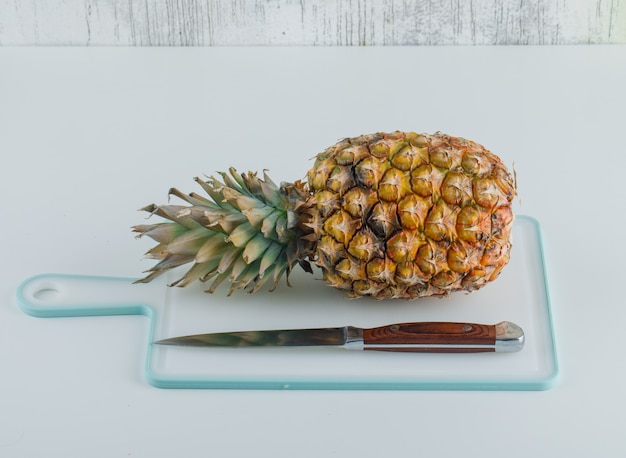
[425, 337]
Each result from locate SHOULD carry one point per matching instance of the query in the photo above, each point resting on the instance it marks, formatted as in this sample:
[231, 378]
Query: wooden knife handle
[431, 337]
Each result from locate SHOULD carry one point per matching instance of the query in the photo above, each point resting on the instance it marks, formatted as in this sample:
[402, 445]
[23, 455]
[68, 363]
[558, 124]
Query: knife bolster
[353, 338]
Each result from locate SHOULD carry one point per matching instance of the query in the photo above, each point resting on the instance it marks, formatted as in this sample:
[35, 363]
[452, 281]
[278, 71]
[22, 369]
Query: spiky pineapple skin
[407, 215]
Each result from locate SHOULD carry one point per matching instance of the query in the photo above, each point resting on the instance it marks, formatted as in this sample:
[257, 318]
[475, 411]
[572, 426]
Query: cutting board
[519, 295]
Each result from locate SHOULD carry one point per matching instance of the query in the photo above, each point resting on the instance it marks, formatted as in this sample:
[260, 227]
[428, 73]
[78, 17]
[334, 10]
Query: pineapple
[386, 215]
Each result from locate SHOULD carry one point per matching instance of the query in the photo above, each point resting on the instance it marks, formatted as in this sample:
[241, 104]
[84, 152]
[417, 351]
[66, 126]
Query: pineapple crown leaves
[244, 232]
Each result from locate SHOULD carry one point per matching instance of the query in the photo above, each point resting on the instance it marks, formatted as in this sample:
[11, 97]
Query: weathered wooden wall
[309, 22]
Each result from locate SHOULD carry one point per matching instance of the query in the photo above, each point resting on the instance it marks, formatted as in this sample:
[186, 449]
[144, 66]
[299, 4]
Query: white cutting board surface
[520, 295]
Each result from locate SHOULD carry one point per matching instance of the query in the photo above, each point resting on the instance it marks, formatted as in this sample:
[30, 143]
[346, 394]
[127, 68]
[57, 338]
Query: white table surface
[89, 135]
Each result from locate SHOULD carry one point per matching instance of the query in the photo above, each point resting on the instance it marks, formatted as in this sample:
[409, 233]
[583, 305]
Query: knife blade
[425, 337]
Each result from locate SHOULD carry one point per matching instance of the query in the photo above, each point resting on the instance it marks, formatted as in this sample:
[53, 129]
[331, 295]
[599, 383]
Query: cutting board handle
[61, 295]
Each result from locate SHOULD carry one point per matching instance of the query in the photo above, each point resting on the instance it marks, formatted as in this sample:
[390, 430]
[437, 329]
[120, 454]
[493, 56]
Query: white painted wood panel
[308, 22]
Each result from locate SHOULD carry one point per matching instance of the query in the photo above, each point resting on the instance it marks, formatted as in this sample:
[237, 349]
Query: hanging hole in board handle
[46, 294]
[61, 295]
[39, 291]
